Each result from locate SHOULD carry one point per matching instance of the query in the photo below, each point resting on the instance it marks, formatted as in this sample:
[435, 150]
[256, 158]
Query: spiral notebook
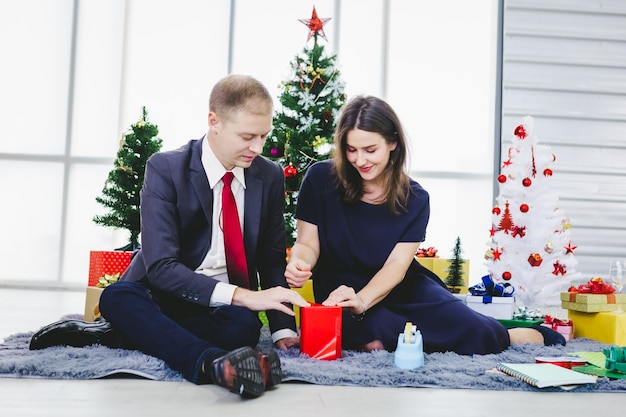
[543, 375]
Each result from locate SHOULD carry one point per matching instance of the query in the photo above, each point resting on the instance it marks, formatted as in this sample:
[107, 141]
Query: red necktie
[233, 239]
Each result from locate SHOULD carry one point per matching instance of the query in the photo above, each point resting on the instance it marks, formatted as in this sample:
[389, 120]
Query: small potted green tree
[455, 278]
[121, 189]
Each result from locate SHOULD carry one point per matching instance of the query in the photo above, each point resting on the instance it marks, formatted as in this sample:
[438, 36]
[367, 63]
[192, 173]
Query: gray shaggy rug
[440, 370]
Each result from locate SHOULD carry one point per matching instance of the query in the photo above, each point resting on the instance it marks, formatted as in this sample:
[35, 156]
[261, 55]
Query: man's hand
[287, 343]
[271, 299]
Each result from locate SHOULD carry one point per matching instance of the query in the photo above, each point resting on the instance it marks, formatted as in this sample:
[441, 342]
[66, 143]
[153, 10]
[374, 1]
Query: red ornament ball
[501, 178]
[290, 171]
[524, 208]
[520, 132]
[506, 275]
[547, 172]
[526, 182]
[496, 211]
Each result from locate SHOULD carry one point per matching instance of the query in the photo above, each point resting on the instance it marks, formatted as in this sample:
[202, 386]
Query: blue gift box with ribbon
[492, 299]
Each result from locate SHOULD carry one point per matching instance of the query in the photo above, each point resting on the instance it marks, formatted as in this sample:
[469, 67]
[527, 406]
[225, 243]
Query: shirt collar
[214, 168]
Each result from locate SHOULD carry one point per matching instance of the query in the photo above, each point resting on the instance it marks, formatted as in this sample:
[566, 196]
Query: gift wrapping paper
[566, 330]
[107, 262]
[92, 298]
[500, 308]
[604, 327]
[307, 293]
[520, 322]
[592, 303]
[320, 331]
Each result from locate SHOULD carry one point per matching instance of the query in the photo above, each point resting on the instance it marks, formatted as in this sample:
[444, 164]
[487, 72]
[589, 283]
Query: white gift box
[500, 308]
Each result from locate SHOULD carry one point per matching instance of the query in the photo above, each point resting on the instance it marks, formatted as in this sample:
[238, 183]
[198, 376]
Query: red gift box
[320, 331]
[107, 262]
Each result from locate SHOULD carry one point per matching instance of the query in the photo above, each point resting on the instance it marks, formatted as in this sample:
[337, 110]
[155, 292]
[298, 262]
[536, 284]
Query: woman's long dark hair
[372, 114]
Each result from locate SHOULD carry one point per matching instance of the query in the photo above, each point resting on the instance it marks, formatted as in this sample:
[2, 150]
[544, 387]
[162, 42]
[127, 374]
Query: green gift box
[520, 322]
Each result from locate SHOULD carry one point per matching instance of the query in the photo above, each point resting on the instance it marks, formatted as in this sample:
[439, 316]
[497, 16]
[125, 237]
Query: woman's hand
[303, 255]
[346, 297]
[297, 272]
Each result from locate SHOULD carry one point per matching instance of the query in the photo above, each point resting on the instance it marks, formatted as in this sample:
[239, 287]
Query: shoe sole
[272, 361]
[248, 381]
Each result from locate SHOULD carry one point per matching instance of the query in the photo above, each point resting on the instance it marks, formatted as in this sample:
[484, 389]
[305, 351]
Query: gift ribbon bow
[429, 252]
[593, 286]
[523, 313]
[615, 359]
[554, 322]
[107, 280]
[489, 289]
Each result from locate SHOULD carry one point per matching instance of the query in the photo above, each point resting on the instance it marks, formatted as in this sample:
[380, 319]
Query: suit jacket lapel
[200, 182]
[252, 208]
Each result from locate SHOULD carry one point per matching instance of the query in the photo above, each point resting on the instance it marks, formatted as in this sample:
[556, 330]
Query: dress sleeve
[306, 207]
[419, 210]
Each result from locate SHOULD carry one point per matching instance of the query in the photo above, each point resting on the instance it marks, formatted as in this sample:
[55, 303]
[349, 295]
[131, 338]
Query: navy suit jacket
[176, 225]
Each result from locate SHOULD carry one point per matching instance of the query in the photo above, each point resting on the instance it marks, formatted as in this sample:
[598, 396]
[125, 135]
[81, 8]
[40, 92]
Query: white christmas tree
[530, 245]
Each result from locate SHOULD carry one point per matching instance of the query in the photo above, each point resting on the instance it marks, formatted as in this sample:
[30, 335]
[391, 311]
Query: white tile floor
[27, 310]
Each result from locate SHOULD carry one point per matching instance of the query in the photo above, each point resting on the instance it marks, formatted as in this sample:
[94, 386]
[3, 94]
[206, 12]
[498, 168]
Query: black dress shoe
[550, 337]
[240, 372]
[75, 333]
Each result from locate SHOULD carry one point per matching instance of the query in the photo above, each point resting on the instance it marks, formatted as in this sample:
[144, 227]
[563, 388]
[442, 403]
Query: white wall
[565, 65]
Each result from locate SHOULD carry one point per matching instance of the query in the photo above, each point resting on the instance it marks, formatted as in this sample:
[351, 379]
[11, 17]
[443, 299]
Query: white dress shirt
[214, 264]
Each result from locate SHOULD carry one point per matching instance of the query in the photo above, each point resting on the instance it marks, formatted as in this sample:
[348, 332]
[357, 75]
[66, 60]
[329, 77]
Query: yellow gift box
[307, 293]
[92, 298]
[604, 327]
[440, 267]
[592, 303]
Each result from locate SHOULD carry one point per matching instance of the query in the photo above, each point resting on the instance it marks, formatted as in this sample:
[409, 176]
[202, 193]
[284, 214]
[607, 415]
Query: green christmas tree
[121, 189]
[303, 127]
[455, 270]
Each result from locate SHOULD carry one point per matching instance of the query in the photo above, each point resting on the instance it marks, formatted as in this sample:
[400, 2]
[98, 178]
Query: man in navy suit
[175, 301]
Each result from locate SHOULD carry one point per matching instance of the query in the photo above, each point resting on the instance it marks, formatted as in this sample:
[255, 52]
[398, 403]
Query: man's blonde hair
[235, 93]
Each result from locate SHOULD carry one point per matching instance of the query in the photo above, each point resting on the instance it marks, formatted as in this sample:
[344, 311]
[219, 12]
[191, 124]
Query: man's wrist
[283, 334]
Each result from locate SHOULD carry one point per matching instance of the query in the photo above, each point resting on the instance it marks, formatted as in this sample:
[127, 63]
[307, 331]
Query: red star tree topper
[315, 25]
[530, 245]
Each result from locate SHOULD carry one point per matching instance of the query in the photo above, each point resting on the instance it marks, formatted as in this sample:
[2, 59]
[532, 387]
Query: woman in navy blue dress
[360, 221]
